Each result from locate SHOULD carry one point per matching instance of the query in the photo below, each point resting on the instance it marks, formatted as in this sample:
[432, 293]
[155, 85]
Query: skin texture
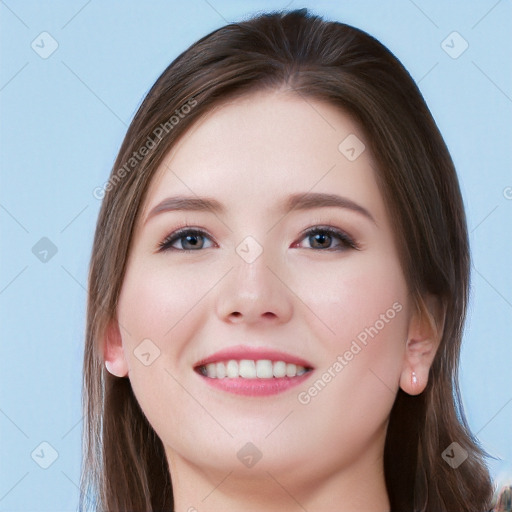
[250, 154]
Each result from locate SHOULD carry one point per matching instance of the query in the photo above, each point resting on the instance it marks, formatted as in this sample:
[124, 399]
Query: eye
[190, 240]
[323, 237]
[320, 238]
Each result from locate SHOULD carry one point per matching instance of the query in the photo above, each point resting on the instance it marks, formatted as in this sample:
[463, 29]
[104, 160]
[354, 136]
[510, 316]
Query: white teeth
[211, 370]
[221, 370]
[264, 369]
[252, 369]
[291, 370]
[279, 369]
[232, 369]
[247, 369]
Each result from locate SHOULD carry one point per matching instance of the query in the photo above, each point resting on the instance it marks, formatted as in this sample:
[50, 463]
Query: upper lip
[240, 352]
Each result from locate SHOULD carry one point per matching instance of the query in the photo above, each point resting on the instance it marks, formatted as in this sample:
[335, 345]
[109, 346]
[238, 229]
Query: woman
[278, 287]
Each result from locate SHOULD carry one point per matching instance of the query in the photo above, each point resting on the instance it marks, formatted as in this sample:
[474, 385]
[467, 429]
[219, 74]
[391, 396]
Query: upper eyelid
[180, 233]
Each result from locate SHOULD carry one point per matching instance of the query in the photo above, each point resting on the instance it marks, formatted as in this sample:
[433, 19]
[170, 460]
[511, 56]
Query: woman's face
[259, 284]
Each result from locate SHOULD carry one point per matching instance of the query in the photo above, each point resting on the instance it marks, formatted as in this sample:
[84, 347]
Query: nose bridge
[253, 291]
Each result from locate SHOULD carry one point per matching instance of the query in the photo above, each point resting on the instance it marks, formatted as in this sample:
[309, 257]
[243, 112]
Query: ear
[424, 336]
[113, 353]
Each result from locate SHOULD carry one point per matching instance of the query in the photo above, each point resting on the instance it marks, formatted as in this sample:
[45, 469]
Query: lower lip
[256, 387]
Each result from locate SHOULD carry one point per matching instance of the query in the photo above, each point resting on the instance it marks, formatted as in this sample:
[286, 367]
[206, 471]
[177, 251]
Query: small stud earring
[414, 379]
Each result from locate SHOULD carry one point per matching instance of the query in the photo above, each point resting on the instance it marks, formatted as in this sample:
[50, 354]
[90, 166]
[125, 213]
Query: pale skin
[310, 300]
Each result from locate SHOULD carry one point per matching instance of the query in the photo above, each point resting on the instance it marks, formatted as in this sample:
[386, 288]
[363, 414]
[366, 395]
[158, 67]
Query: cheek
[156, 301]
[153, 307]
[157, 309]
[365, 323]
[366, 292]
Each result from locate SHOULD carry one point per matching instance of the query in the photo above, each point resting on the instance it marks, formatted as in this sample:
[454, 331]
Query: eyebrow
[300, 202]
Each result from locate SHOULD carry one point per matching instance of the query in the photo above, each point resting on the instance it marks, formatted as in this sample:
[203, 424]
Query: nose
[255, 292]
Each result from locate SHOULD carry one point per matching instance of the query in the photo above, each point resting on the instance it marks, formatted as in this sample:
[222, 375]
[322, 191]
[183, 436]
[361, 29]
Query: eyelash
[347, 241]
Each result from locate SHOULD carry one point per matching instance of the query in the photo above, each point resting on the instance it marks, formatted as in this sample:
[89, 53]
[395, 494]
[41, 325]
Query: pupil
[321, 238]
[192, 239]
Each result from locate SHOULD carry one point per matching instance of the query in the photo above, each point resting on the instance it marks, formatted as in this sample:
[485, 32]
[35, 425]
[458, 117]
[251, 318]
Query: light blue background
[62, 121]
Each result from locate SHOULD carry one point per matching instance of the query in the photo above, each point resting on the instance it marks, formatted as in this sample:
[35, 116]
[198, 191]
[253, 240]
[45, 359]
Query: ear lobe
[424, 336]
[113, 353]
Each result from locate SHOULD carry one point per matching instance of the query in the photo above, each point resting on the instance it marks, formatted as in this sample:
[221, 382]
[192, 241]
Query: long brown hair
[124, 465]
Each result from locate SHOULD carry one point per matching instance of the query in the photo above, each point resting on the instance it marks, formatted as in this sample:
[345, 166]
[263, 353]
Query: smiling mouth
[251, 369]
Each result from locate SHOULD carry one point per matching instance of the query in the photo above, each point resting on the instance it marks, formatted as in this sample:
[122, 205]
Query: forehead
[253, 151]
